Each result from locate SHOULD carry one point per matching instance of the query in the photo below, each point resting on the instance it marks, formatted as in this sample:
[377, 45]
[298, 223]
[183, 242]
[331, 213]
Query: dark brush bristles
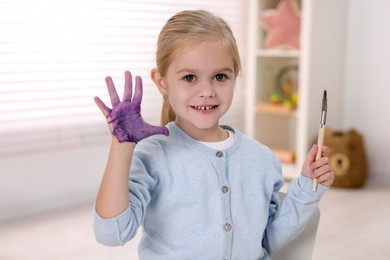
[324, 101]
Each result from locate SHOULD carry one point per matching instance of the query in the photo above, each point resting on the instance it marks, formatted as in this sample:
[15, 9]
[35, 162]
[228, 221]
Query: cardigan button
[227, 227]
[225, 189]
[219, 154]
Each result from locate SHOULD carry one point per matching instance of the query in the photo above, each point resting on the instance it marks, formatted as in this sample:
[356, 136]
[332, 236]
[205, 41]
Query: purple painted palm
[124, 119]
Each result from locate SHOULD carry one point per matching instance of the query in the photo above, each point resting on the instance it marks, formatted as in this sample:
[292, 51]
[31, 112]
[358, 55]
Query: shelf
[280, 110]
[278, 53]
[285, 155]
[318, 64]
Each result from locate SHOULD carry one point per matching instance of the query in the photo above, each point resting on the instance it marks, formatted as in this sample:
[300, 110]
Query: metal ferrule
[323, 119]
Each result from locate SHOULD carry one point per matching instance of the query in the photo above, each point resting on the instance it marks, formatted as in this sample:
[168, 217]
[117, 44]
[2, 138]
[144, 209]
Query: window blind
[54, 56]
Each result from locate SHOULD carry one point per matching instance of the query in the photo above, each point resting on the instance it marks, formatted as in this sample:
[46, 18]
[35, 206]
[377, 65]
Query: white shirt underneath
[222, 145]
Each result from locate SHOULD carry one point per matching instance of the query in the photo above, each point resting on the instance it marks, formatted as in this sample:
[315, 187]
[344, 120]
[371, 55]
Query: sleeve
[122, 228]
[108, 231]
[287, 221]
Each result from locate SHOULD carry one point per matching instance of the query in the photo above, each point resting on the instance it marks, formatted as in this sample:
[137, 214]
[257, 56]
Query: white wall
[367, 81]
[48, 180]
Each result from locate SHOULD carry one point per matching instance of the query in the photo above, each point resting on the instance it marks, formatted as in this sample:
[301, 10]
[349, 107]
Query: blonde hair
[189, 28]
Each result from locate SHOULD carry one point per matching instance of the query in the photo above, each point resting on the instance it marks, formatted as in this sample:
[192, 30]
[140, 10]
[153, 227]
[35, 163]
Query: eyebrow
[227, 69]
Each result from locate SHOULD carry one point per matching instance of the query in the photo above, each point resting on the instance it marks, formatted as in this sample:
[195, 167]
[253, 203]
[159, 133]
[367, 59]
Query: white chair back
[301, 248]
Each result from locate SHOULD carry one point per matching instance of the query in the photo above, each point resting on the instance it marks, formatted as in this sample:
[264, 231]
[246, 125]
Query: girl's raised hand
[124, 119]
[320, 169]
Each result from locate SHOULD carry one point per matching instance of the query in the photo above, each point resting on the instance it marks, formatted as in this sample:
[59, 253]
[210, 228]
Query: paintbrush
[321, 132]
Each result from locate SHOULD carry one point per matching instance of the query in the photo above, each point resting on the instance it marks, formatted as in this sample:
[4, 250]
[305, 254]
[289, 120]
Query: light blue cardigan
[198, 203]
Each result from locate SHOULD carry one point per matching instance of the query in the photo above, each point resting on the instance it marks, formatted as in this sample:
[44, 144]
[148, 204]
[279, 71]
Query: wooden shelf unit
[320, 65]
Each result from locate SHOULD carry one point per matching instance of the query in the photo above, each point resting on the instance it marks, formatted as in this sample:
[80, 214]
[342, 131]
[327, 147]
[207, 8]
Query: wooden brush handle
[320, 143]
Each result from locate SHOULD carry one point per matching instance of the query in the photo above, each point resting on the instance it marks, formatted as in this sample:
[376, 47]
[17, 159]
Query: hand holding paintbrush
[316, 165]
[321, 132]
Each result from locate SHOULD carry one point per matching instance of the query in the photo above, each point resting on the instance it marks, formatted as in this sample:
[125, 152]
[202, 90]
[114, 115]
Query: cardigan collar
[187, 140]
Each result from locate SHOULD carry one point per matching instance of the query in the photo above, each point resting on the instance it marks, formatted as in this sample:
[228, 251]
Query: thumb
[155, 130]
[311, 156]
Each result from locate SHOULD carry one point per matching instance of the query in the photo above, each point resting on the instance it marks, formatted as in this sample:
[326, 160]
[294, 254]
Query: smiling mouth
[204, 107]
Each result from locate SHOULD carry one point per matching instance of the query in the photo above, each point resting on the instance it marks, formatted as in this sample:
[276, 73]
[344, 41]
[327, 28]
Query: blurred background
[54, 56]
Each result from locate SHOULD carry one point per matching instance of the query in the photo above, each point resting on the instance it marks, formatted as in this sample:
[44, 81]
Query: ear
[159, 81]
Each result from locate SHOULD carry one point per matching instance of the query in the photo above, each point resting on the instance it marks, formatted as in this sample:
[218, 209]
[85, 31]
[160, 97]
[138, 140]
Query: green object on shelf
[274, 98]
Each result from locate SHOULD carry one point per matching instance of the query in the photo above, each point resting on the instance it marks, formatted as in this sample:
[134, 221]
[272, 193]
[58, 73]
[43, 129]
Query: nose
[206, 89]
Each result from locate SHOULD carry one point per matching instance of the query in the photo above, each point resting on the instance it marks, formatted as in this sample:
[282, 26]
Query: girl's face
[200, 83]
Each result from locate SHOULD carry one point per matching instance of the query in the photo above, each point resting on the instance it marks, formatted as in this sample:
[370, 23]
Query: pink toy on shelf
[282, 26]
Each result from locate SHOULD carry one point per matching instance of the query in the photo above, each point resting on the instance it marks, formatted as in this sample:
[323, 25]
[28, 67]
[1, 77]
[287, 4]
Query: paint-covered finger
[112, 92]
[128, 93]
[138, 90]
[154, 130]
[105, 110]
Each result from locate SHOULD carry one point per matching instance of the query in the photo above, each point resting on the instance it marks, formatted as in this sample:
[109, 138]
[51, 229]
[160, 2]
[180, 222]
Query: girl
[200, 190]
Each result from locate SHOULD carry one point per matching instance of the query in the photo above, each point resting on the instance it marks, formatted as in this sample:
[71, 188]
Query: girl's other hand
[320, 169]
[124, 119]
